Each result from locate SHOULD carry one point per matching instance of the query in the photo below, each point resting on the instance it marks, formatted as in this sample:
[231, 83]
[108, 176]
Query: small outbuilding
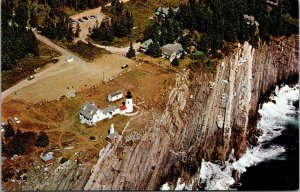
[144, 46]
[47, 158]
[112, 136]
[111, 97]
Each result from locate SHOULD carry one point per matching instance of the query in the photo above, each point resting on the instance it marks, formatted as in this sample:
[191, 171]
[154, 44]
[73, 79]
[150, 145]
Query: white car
[70, 59]
[17, 120]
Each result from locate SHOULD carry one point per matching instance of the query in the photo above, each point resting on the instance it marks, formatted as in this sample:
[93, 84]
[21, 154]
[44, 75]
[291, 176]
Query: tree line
[119, 25]
[217, 22]
[17, 40]
[75, 4]
[18, 143]
[57, 26]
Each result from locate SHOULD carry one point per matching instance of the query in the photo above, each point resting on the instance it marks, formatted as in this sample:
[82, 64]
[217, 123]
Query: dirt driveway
[53, 82]
[57, 79]
[90, 23]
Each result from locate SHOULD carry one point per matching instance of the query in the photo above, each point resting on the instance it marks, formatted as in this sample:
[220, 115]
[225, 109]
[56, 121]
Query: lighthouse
[128, 102]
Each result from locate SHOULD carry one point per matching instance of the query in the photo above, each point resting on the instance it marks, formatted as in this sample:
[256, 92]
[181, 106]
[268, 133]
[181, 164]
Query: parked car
[30, 77]
[124, 66]
[53, 60]
[70, 59]
[17, 120]
[85, 18]
[81, 20]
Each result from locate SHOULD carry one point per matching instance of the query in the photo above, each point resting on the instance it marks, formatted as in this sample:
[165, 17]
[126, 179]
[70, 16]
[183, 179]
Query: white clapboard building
[111, 97]
[90, 114]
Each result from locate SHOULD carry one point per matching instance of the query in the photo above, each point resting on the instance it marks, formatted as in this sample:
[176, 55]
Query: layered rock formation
[208, 115]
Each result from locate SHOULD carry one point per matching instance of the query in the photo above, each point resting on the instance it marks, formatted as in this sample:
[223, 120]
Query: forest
[18, 16]
[211, 24]
[218, 22]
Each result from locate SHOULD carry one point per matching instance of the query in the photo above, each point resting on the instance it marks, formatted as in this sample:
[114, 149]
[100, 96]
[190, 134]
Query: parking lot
[85, 24]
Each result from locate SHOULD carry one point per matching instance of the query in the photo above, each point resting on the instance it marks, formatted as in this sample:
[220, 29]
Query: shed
[47, 158]
[111, 97]
[144, 46]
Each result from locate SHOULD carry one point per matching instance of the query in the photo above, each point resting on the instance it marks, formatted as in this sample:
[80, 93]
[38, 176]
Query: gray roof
[88, 110]
[165, 10]
[47, 156]
[115, 93]
[146, 44]
[169, 49]
[109, 109]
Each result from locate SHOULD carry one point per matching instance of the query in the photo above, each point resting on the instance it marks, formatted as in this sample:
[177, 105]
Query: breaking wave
[274, 116]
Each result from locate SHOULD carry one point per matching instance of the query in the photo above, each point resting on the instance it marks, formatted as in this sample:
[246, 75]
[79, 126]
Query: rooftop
[170, 48]
[109, 109]
[146, 44]
[47, 157]
[115, 93]
[88, 110]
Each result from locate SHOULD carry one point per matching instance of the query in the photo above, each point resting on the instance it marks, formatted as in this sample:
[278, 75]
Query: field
[59, 119]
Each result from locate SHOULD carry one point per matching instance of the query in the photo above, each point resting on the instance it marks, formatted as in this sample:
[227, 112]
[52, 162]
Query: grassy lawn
[26, 66]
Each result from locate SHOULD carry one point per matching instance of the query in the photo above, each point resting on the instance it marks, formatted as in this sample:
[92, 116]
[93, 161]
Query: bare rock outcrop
[217, 119]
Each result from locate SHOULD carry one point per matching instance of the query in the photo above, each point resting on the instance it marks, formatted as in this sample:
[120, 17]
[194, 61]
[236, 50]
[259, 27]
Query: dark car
[85, 18]
[124, 66]
[30, 77]
[81, 20]
[54, 60]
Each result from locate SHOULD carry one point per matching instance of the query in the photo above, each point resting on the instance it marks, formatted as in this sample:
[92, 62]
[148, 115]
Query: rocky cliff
[208, 114]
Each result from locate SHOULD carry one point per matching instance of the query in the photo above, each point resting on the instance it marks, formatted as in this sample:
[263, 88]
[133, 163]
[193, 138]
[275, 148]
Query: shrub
[42, 140]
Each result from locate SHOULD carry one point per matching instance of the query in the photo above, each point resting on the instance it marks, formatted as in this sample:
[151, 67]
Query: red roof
[123, 107]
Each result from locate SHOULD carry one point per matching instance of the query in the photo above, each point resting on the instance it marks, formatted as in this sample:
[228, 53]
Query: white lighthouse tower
[128, 102]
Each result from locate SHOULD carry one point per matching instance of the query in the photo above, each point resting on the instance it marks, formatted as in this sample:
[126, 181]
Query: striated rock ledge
[217, 118]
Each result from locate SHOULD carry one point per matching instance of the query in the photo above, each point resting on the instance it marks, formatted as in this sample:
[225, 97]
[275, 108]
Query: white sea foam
[273, 118]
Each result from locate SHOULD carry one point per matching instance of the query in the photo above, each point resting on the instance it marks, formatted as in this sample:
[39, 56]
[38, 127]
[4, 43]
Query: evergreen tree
[119, 28]
[185, 41]
[70, 34]
[103, 32]
[42, 140]
[131, 52]
[78, 30]
[9, 131]
[152, 32]
[175, 62]
[154, 50]
[3, 147]
[21, 16]
[129, 21]
[16, 145]
[33, 17]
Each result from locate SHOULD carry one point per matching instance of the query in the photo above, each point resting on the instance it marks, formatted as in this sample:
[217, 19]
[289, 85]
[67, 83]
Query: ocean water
[271, 165]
